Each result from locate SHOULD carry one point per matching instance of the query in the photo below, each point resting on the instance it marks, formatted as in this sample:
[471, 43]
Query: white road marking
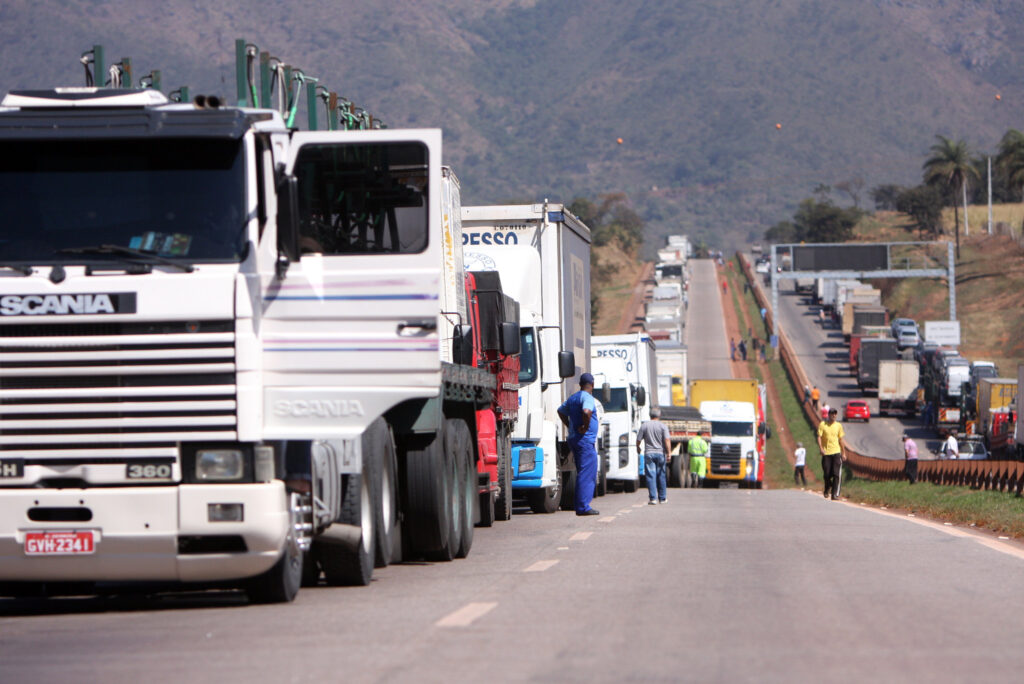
[625, 510]
[563, 548]
[639, 505]
[580, 536]
[466, 615]
[607, 518]
[541, 566]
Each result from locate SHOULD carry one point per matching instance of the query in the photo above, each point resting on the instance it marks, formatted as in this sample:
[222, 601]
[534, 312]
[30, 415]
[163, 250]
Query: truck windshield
[619, 401]
[723, 428]
[177, 198]
[527, 356]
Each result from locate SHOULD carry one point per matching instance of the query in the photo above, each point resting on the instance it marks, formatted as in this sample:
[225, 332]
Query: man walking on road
[697, 447]
[815, 396]
[732, 349]
[654, 440]
[910, 458]
[577, 414]
[951, 449]
[830, 436]
[800, 459]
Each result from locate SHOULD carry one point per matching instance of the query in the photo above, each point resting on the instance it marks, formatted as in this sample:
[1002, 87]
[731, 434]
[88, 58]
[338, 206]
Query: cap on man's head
[586, 379]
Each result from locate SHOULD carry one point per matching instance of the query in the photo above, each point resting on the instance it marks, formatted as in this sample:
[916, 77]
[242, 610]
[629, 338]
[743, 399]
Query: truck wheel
[546, 500]
[453, 475]
[427, 522]
[602, 475]
[503, 502]
[630, 486]
[342, 564]
[379, 454]
[462, 447]
[568, 486]
[310, 570]
[675, 472]
[281, 583]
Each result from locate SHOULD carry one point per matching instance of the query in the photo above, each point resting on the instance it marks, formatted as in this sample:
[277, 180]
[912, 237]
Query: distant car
[899, 324]
[907, 338]
[857, 409]
[972, 449]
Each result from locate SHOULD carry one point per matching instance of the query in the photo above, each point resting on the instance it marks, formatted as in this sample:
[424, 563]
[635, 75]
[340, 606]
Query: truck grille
[99, 392]
[725, 459]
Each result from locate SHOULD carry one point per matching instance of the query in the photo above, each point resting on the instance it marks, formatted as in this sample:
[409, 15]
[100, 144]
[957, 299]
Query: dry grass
[614, 295]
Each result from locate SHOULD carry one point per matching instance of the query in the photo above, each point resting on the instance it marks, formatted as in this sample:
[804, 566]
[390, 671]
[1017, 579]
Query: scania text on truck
[227, 347]
[542, 252]
[736, 411]
[625, 374]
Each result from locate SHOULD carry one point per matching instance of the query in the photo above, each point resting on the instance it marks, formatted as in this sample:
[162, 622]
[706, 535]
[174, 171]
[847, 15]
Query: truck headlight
[623, 450]
[219, 465]
[751, 460]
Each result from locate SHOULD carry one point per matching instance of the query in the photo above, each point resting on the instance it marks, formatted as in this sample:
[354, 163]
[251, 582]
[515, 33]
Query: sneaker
[835, 498]
[826, 495]
[652, 502]
[661, 501]
[589, 511]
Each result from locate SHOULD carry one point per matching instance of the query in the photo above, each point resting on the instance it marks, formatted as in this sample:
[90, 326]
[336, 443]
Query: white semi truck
[542, 252]
[626, 377]
[229, 351]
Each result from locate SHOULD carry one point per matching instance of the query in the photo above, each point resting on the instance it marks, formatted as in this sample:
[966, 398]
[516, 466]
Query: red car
[857, 410]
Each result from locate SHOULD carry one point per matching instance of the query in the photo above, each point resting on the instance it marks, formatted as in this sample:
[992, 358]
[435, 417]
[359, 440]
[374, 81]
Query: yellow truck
[736, 411]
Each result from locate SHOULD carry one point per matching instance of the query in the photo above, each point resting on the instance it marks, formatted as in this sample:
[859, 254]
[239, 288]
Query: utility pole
[967, 228]
[990, 195]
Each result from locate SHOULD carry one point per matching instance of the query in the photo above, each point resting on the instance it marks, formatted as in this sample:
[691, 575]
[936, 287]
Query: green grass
[996, 511]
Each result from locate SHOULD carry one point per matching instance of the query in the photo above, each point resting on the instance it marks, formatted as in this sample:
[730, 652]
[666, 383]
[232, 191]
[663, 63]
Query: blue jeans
[654, 469]
[584, 453]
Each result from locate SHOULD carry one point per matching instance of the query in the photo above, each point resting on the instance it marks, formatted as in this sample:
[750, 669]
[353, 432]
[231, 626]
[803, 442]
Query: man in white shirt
[800, 457]
[951, 448]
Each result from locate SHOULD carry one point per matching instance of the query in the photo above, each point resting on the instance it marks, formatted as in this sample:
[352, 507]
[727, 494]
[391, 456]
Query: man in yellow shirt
[830, 442]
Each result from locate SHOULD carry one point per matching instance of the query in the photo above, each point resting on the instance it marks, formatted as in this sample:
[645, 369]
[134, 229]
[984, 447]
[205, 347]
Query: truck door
[352, 328]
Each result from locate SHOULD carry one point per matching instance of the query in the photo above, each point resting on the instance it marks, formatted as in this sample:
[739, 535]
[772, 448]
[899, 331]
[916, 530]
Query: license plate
[73, 543]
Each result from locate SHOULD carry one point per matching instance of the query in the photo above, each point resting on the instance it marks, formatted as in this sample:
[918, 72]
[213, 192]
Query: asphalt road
[707, 348]
[714, 586]
[825, 357]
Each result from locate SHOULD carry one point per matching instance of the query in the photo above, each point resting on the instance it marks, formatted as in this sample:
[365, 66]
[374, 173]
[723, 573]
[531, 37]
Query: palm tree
[1010, 158]
[950, 167]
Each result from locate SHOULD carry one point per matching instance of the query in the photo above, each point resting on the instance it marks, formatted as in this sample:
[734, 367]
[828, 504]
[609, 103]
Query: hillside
[989, 280]
[534, 94]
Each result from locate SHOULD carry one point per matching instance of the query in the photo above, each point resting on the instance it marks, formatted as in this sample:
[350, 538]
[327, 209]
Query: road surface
[825, 358]
[707, 348]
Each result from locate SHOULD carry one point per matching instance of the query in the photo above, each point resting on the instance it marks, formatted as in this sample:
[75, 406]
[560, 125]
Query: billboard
[841, 257]
[943, 332]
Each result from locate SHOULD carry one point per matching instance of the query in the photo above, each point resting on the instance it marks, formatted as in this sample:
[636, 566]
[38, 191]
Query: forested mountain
[729, 111]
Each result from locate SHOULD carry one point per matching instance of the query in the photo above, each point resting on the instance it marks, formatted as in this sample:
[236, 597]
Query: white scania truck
[625, 376]
[542, 252]
[229, 351]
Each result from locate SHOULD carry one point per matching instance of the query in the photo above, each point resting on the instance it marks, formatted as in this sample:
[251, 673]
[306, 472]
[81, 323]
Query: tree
[816, 221]
[923, 205]
[1010, 158]
[950, 168]
[852, 187]
[885, 196]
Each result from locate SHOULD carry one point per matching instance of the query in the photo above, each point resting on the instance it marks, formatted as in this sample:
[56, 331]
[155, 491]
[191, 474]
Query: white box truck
[625, 378]
[226, 347]
[671, 359]
[542, 252]
[898, 382]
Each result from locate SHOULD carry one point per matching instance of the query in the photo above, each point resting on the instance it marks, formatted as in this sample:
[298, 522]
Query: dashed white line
[541, 566]
[639, 505]
[466, 615]
[580, 536]
[563, 548]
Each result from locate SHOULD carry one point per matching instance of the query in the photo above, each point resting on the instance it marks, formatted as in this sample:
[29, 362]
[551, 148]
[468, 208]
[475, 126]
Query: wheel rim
[386, 500]
[365, 516]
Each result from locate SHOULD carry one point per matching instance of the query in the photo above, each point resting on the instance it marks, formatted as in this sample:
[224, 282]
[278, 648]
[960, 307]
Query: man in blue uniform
[577, 414]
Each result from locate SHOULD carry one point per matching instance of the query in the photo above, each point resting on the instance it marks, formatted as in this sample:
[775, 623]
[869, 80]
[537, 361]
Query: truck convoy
[625, 376]
[542, 253]
[736, 411]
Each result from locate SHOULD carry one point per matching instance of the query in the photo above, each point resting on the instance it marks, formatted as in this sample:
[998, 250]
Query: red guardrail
[1003, 476]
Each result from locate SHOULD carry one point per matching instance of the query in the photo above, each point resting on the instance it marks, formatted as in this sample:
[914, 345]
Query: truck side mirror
[606, 393]
[641, 395]
[510, 339]
[566, 364]
[462, 345]
[287, 223]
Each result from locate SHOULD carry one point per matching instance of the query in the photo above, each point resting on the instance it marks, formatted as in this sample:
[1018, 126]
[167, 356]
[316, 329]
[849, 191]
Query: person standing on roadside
[815, 396]
[807, 394]
[732, 349]
[951, 448]
[910, 458]
[742, 347]
[577, 414]
[654, 441]
[697, 447]
[800, 459]
[830, 442]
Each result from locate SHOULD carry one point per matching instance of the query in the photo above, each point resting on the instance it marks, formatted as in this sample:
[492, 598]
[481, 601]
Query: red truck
[494, 320]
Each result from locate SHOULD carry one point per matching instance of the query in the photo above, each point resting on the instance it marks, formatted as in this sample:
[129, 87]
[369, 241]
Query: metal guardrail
[1003, 476]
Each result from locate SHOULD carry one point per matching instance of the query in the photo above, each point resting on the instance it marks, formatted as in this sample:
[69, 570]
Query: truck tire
[310, 569]
[345, 566]
[379, 454]
[453, 474]
[503, 501]
[675, 471]
[426, 523]
[602, 475]
[462, 444]
[568, 486]
[630, 486]
[546, 500]
[281, 583]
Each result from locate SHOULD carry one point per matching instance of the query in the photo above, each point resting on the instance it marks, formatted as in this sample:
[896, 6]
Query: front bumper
[137, 531]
